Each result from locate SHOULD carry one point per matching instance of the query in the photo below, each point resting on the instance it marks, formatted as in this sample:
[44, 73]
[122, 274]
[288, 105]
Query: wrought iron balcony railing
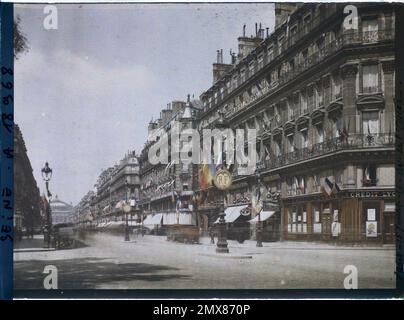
[353, 141]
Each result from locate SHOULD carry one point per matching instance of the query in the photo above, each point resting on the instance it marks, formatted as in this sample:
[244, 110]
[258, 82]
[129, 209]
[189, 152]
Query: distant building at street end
[62, 212]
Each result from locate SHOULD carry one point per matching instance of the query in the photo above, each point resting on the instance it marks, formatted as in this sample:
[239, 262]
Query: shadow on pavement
[87, 273]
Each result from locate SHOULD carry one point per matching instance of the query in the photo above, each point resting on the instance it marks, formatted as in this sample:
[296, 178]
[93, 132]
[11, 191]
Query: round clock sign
[223, 179]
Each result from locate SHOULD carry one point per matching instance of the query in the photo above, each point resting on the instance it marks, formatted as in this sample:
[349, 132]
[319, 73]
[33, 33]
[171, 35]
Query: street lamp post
[46, 172]
[259, 226]
[222, 181]
[126, 209]
[222, 246]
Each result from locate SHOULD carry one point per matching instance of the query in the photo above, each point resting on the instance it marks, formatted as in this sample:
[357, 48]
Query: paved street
[152, 262]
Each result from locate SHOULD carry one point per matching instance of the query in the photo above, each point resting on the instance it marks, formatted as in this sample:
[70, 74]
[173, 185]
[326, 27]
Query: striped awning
[264, 215]
[232, 213]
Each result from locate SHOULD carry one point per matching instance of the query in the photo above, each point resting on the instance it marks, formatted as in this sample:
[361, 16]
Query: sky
[85, 92]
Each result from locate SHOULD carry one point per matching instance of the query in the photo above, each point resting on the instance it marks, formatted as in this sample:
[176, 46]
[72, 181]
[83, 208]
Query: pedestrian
[212, 235]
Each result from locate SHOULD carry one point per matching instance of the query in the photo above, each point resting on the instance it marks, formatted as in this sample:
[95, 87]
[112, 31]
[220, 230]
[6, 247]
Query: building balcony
[354, 141]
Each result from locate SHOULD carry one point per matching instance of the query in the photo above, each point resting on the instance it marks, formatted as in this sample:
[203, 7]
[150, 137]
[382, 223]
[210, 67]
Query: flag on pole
[367, 173]
[205, 177]
[336, 188]
[327, 187]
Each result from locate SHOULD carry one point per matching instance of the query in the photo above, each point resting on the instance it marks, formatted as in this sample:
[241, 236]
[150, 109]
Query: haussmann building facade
[321, 97]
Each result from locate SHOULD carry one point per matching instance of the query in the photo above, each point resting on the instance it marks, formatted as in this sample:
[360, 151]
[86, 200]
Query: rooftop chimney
[220, 68]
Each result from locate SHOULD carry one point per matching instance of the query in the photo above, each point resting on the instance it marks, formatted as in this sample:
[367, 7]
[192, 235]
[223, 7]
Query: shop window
[316, 219]
[370, 76]
[297, 220]
[369, 176]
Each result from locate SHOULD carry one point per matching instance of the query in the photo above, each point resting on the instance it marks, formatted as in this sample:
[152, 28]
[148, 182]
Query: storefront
[365, 216]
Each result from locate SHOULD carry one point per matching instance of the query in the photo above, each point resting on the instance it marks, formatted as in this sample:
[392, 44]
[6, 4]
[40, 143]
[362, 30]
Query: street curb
[33, 250]
[225, 256]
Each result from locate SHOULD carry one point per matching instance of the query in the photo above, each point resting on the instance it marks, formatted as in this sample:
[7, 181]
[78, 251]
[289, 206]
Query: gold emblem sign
[223, 179]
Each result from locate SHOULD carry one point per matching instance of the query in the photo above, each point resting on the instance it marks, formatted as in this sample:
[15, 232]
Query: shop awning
[153, 220]
[174, 218]
[265, 215]
[232, 213]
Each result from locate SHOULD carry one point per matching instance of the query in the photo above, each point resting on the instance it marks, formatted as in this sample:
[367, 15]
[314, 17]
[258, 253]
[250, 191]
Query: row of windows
[300, 185]
[320, 46]
[307, 99]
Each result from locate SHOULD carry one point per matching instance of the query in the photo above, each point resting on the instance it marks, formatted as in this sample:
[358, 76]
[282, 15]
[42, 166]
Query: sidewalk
[279, 245]
[31, 245]
[299, 245]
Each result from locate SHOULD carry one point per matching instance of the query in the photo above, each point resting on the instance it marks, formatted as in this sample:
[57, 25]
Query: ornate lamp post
[46, 172]
[258, 197]
[223, 181]
[126, 208]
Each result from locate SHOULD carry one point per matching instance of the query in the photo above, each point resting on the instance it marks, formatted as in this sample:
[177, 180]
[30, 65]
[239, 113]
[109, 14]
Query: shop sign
[336, 229]
[371, 229]
[372, 194]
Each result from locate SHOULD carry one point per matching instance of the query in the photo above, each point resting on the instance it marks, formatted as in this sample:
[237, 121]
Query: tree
[20, 40]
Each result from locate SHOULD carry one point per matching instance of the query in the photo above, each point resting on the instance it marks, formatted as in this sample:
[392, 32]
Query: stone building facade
[27, 213]
[115, 186]
[168, 187]
[320, 94]
[321, 98]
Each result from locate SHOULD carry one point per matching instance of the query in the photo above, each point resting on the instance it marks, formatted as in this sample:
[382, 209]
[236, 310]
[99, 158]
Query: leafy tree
[20, 40]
